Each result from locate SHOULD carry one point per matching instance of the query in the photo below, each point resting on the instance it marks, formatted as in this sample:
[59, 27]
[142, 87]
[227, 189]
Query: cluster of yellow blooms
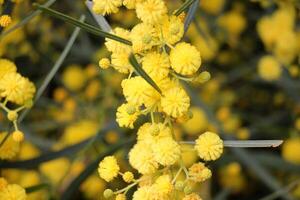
[156, 43]
[11, 191]
[15, 90]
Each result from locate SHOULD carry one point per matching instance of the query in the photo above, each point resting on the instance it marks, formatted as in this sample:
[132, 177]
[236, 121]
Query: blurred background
[252, 51]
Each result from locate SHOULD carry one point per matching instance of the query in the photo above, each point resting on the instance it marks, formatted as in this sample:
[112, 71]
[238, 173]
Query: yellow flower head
[163, 187]
[141, 158]
[128, 177]
[166, 151]
[142, 37]
[74, 77]
[121, 197]
[108, 168]
[5, 20]
[289, 150]
[172, 29]
[143, 193]
[199, 173]
[192, 196]
[156, 65]
[151, 11]
[115, 46]
[209, 146]
[18, 136]
[13, 192]
[185, 59]
[120, 62]
[125, 117]
[269, 68]
[104, 63]
[16, 88]
[197, 123]
[10, 148]
[6, 66]
[175, 102]
[152, 133]
[105, 7]
[212, 6]
[134, 90]
[3, 183]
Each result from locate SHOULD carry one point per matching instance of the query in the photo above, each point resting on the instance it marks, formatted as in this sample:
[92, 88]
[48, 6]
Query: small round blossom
[6, 66]
[18, 136]
[152, 133]
[269, 68]
[175, 102]
[142, 37]
[124, 118]
[143, 193]
[73, 78]
[108, 193]
[10, 148]
[172, 29]
[115, 46]
[104, 7]
[163, 187]
[120, 62]
[166, 151]
[5, 20]
[151, 11]
[192, 196]
[108, 168]
[134, 90]
[185, 59]
[290, 146]
[13, 192]
[141, 158]
[209, 146]
[128, 177]
[121, 197]
[156, 65]
[11, 87]
[199, 173]
[104, 63]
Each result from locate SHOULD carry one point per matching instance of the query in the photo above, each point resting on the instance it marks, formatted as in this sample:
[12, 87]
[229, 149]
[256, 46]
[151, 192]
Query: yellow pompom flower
[192, 196]
[152, 133]
[74, 77]
[10, 148]
[141, 158]
[6, 66]
[134, 90]
[212, 6]
[269, 68]
[166, 151]
[115, 46]
[5, 20]
[163, 187]
[233, 22]
[104, 63]
[120, 62]
[121, 197]
[172, 29]
[290, 150]
[197, 123]
[108, 168]
[151, 11]
[142, 37]
[128, 177]
[16, 88]
[156, 65]
[143, 193]
[13, 192]
[199, 173]
[105, 7]
[209, 146]
[18, 136]
[126, 118]
[175, 102]
[185, 59]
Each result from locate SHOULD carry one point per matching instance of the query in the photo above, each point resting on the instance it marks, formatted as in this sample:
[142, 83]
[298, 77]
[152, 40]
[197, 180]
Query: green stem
[183, 7]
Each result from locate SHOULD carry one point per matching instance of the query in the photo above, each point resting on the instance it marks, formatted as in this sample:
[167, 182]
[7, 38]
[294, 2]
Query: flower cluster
[159, 51]
[17, 91]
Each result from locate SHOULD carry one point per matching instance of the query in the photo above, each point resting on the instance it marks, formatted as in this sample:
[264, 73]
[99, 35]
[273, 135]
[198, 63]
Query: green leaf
[36, 188]
[183, 7]
[89, 28]
[140, 71]
[73, 187]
